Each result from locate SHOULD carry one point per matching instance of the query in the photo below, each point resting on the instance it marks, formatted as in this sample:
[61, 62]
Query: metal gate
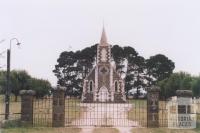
[42, 112]
[133, 113]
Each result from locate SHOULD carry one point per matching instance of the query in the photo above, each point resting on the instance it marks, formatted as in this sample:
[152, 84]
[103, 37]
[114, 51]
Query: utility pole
[8, 89]
[7, 97]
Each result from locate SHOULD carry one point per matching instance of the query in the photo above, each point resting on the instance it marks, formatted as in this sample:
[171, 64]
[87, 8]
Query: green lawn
[1, 98]
[43, 116]
[162, 130]
[42, 130]
[96, 130]
[139, 112]
[15, 108]
[43, 111]
[73, 110]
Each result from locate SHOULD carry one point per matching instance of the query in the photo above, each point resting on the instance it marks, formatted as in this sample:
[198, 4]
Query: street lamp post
[8, 90]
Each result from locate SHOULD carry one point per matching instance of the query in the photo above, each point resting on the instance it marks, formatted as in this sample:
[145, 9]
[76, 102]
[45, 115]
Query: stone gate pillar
[153, 107]
[58, 107]
[27, 106]
[186, 111]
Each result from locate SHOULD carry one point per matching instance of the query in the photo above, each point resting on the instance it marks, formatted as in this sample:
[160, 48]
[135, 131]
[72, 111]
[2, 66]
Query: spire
[103, 40]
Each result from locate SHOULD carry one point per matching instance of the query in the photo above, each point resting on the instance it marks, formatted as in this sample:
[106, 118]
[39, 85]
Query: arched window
[116, 86]
[91, 86]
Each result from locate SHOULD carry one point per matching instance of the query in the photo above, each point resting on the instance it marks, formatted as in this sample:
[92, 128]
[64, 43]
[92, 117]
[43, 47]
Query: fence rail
[42, 112]
[133, 113]
[15, 108]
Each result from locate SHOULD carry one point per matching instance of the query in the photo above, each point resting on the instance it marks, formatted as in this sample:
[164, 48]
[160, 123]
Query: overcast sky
[47, 27]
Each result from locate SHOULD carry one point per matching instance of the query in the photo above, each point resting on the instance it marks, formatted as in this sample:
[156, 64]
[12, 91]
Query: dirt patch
[87, 130]
[105, 130]
[125, 129]
[113, 115]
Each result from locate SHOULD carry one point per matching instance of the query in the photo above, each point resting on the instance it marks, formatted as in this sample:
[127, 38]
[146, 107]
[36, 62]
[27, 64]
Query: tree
[158, 67]
[170, 85]
[2, 81]
[65, 70]
[19, 81]
[40, 86]
[117, 53]
[196, 86]
[177, 81]
[135, 74]
[86, 59]
[72, 67]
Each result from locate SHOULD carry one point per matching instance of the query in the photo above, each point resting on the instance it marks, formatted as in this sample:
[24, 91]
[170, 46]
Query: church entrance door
[103, 94]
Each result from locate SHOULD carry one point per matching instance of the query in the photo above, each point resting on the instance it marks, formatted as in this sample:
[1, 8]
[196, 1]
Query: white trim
[97, 53]
[96, 83]
[84, 89]
[111, 83]
[111, 78]
[109, 53]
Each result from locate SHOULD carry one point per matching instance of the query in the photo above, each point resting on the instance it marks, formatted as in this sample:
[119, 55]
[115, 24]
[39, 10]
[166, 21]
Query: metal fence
[42, 112]
[133, 113]
[163, 113]
[15, 108]
[197, 102]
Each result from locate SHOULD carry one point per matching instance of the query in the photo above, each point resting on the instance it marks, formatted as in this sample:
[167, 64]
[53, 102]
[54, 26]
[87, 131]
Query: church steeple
[103, 49]
[103, 40]
[103, 84]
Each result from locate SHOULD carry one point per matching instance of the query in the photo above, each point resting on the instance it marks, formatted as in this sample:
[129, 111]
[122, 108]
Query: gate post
[59, 107]
[27, 106]
[153, 107]
[186, 110]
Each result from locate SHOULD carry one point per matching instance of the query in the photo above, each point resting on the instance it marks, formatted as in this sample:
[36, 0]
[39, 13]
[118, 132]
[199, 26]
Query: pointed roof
[103, 40]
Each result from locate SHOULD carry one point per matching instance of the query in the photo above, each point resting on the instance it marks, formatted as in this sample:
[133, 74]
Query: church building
[103, 83]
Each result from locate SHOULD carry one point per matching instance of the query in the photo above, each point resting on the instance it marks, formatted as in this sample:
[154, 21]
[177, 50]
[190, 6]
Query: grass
[1, 98]
[139, 112]
[42, 130]
[15, 108]
[43, 117]
[73, 110]
[161, 130]
[96, 130]
[43, 111]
